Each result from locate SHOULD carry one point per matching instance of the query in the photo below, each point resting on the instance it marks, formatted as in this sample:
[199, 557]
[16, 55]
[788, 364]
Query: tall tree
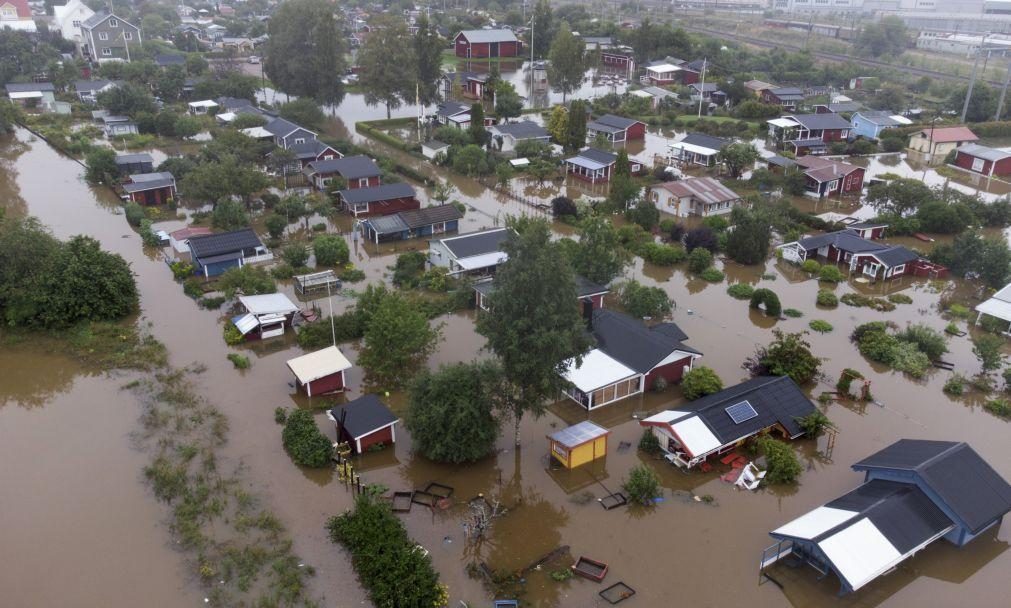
[305, 51]
[428, 46]
[566, 66]
[508, 103]
[533, 323]
[543, 28]
[398, 340]
[558, 124]
[575, 136]
[599, 256]
[478, 134]
[748, 242]
[738, 157]
[387, 65]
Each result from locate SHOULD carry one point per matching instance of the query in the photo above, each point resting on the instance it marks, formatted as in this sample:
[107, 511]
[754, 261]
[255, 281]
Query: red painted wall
[636, 131]
[384, 436]
[328, 384]
[688, 77]
[373, 181]
[671, 372]
[484, 49]
[965, 162]
[833, 135]
[854, 182]
[152, 197]
[393, 205]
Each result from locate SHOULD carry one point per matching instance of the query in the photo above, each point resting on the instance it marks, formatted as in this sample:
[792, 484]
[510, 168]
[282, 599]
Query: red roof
[24, 11]
[950, 134]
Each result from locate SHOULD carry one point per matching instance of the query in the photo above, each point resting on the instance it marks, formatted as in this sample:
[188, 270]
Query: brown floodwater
[706, 554]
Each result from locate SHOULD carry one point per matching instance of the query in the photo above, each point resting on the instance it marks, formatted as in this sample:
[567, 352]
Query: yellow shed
[579, 444]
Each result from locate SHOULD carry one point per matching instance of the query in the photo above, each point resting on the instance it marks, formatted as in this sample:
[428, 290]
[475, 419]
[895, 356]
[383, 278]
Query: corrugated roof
[365, 415]
[131, 159]
[268, 303]
[224, 242]
[319, 364]
[613, 122]
[416, 218]
[374, 194]
[524, 129]
[991, 154]
[578, 434]
[480, 36]
[387, 224]
[817, 122]
[705, 141]
[28, 87]
[349, 167]
[704, 189]
[477, 243]
[949, 134]
[966, 483]
[143, 182]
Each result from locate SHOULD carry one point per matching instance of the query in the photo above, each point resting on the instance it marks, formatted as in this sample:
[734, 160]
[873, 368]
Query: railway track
[838, 56]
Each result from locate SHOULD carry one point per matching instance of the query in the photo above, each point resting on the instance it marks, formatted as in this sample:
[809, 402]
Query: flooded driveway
[83, 494]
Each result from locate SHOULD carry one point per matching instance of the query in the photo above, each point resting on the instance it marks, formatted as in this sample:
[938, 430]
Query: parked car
[253, 59]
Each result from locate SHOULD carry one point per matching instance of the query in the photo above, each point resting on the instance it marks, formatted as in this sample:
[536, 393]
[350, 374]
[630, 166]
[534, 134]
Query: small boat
[590, 568]
[923, 237]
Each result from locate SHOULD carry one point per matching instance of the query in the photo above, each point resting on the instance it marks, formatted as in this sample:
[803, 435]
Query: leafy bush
[280, 415]
[330, 250]
[212, 303]
[769, 299]
[830, 274]
[388, 563]
[701, 237]
[932, 343]
[955, 385]
[712, 275]
[814, 423]
[193, 287]
[662, 255]
[900, 298]
[741, 291]
[793, 313]
[304, 442]
[699, 382]
[181, 270]
[826, 298]
[958, 311]
[822, 327]
[858, 300]
[562, 206]
[249, 280]
[408, 270]
[239, 361]
[810, 266]
[788, 355]
[908, 358]
[998, 407]
[642, 301]
[295, 255]
[351, 275]
[275, 225]
[232, 334]
[650, 443]
[699, 260]
[134, 213]
[642, 485]
[782, 464]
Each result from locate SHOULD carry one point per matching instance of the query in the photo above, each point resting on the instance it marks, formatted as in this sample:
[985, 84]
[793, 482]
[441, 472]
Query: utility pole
[702, 91]
[972, 79]
[1003, 92]
[532, 19]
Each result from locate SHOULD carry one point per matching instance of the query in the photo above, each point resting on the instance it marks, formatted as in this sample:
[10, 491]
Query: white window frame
[363, 182]
[127, 35]
[103, 35]
[113, 23]
[76, 23]
[106, 51]
[898, 269]
[299, 140]
[977, 164]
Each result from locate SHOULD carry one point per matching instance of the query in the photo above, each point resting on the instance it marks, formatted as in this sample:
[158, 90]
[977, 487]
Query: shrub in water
[239, 361]
[769, 299]
[827, 298]
[999, 407]
[900, 298]
[232, 334]
[741, 291]
[793, 313]
[280, 415]
[955, 385]
[649, 442]
[782, 463]
[699, 260]
[642, 485]
[304, 442]
[712, 275]
[814, 423]
[958, 311]
[810, 266]
[830, 274]
[699, 382]
[822, 327]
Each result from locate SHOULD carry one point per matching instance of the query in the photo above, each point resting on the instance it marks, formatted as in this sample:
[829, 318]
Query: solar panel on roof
[740, 412]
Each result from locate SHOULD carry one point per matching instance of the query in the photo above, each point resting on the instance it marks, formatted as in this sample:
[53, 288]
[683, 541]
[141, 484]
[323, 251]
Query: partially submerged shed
[997, 306]
[364, 422]
[578, 444]
[266, 316]
[320, 372]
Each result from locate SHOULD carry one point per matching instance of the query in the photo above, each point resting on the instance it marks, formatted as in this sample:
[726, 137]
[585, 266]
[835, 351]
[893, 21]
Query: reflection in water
[40, 375]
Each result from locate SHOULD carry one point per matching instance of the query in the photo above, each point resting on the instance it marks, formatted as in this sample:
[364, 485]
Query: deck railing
[263, 257]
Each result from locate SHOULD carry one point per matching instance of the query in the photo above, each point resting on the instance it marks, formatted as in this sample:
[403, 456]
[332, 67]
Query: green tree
[599, 256]
[782, 464]
[508, 103]
[643, 302]
[187, 126]
[699, 260]
[885, 37]
[478, 134]
[558, 125]
[769, 299]
[532, 324]
[398, 340]
[229, 214]
[330, 250]
[304, 112]
[642, 486]
[305, 51]
[566, 67]
[294, 254]
[575, 126]
[428, 47]
[275, 225]
[304, 442]
[699, 382]
[128, 98]
[899, 196]
[987, 349]
[788, 355]
[169, 83]
[213, 181]
[738, 157]
[387, 63]
[451, 412]
[543, 29]
[748, 242]
[101, 166]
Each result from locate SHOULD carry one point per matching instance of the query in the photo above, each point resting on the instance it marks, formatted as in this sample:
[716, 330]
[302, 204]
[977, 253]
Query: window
[977, 165]
[106, 51]
[113, 23]
[103, 35]
[363, 182]
[77, 23]
[898, 269]
[127, 35]
[300, 140]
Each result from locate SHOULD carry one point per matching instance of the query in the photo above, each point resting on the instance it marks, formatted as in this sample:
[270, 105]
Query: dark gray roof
[384, 192]
[631, 342]
[788, 93]
[709, 87]
[696, 65]
[142, 182]
[280, 127]
[969, 486]
[599, 156]
[845, 240]
[477, 243]
[706, 141]
[610, 122]
[828, 120]
[224, 242]
[865, 225]
[451, 108]
[132, 159]
[902, 512]
[586, 287]
[525, 129]
[387, 224]
[309, 149]
[231, 103]
[781, 161]
[776, 399]
[91, 85]
[28, 87]
[169, 59]
[427, 216]
[894, 256]
[349, 167]
[365, 415]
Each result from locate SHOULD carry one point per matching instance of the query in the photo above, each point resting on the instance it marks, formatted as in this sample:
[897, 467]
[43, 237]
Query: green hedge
[304, 442]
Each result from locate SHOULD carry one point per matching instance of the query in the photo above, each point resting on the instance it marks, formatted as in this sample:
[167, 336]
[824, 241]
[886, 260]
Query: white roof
[680, 145]
[695, 436]
[206, 103]
[641, 93]
[319, 364]
[663, 67]
[597, 371]
[816, 522]
[667, 416]
[860, 553]
[257, 132]
[783, 123]
[520, 162]
[268, 303]
[246, 324]
[999, 305]
[483, 261]
[25, 95]
[901, 119]
[226, 116]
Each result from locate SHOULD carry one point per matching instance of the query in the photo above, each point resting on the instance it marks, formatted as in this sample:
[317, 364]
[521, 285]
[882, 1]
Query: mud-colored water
[702, 554]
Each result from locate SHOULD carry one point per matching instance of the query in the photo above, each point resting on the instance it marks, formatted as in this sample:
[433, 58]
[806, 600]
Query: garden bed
[618, 592]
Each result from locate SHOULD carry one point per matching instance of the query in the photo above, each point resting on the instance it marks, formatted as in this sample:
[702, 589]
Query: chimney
[588, 312]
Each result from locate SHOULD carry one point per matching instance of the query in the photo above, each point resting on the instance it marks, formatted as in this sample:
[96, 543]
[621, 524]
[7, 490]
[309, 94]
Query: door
[493, 49]
[871, 269]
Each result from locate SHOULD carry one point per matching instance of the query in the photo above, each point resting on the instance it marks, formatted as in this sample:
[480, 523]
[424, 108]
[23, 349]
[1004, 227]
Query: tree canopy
[305, 51]
[398, 340]
[387, 62]
[566, 67]
[599, 256]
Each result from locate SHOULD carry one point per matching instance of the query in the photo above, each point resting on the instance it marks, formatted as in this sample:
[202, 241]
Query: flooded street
[76, 502]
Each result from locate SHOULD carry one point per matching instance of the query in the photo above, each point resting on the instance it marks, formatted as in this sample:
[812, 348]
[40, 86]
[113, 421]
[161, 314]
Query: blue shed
[412, 224]
[915, 492]
[870, 124]
[213, 254]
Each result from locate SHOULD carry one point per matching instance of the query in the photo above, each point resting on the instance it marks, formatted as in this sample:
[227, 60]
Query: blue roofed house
[615, 129]
[870, 124]
[915, 492]
[510, 134]
[287, 134]
[475, 253]
[414, 223]
[213, 254]
[88, 90]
